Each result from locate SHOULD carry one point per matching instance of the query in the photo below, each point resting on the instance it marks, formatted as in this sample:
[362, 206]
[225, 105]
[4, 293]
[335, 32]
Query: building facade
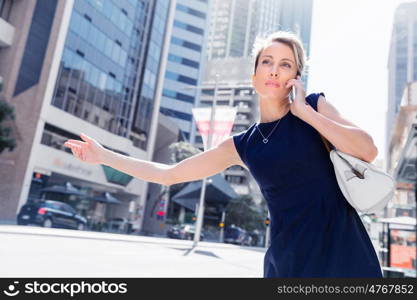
[403, 155]
[235, 24]
[402, 64]
[83, 66]
[185, 64]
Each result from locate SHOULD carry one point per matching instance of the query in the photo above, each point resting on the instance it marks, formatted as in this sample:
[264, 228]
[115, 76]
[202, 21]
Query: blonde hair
[286, 37]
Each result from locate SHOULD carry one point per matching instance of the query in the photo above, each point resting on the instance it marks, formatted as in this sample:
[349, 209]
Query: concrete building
[402, 64]
[403, 155]
[231, 28]
[401, 113]
[185, 64]
[400, 250]
[235, 24]
[82, 66]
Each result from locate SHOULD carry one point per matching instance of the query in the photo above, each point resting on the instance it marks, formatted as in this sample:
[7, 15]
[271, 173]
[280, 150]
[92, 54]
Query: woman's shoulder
[240, 140]
[313, 98]
[239, 136]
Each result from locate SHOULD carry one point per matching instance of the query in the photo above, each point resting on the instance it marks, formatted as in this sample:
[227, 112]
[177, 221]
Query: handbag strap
[326, 144]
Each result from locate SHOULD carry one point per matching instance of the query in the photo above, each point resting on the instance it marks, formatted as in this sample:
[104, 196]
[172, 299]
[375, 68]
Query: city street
[44, 252]
[138, 122]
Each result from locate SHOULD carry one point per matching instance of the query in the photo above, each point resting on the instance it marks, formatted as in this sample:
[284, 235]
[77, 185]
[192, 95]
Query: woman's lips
[273, 84]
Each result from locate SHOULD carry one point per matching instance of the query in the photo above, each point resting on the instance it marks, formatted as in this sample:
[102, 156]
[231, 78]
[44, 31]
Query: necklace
[265, 139]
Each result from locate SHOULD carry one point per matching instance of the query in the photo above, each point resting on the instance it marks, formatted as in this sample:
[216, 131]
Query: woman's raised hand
[298, 106]
[88, 150]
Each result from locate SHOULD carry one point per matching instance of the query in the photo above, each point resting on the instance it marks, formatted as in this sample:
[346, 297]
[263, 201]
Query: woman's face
[276, 66]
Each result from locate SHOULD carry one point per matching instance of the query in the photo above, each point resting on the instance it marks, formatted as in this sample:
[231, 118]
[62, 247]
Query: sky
[349, 57]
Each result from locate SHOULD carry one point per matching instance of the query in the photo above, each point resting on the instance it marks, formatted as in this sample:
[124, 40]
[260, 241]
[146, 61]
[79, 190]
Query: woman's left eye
[285, 64]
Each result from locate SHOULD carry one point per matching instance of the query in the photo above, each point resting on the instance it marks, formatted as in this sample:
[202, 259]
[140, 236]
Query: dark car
[237, 235]
[183, 232]
[48, 213]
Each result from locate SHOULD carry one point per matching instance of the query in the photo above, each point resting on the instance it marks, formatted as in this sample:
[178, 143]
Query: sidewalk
[44, 252]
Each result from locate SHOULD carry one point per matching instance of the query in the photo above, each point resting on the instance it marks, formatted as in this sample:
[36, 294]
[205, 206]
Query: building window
[178, 96]
[185, 44]
[36, 45]
[5, 9]
[187, 27]
[184, 61]
[209, 92]
[191, 11]
[181, 78]
[175, 114]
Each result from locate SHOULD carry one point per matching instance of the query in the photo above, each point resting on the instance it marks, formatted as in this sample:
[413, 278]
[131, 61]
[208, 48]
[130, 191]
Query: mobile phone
[292, 95]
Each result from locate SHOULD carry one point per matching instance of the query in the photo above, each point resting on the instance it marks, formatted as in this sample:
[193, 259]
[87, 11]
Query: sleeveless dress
[315, 232]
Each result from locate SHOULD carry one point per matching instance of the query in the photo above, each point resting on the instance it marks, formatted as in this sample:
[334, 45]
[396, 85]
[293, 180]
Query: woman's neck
[273, 109]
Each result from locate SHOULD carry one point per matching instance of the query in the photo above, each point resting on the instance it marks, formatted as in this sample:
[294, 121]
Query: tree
[6, 140]
[244, 213]
[179, 152]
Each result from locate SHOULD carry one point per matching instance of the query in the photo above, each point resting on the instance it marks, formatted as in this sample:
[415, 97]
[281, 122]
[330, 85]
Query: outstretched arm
[207, 163]
[142, 169]
[193, 168]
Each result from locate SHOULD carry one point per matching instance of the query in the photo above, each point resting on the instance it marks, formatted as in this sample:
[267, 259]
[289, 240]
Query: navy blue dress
[315, 232]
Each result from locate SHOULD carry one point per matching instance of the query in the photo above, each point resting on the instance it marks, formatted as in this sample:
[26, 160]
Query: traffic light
[267, 221]
[194, 218]
[221, 224]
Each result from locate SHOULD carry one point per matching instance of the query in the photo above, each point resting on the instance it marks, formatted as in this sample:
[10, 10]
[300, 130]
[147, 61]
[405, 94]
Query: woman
[314, 230]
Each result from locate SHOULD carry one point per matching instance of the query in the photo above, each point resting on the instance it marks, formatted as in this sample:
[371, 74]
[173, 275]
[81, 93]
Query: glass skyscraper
[402, 61]
[185, 64]
[110, 64]
[92, 66]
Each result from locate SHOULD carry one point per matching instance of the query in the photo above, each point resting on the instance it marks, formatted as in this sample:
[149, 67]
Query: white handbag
[366, 187]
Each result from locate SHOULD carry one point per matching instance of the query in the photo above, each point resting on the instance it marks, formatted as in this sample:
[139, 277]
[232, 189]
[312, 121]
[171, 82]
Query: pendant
[265, 141]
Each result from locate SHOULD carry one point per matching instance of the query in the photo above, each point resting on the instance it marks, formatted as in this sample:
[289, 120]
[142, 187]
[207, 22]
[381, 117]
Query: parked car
[238, 236]
[49, 213]
[183, 232]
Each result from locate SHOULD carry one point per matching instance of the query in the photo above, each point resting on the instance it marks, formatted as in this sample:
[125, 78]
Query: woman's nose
[274, 71]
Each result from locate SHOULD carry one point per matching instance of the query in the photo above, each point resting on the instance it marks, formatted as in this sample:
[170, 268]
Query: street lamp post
[200, 213]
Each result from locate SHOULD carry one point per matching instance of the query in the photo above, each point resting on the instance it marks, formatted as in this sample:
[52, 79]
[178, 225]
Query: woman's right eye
[265, 61]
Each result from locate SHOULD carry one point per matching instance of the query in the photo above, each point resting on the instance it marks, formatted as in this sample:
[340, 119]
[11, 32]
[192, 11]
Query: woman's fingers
[294, 82]
[76, 149]
[77, 142]
[86, 138]
[72, 145]
[290, 83]
[75, 152]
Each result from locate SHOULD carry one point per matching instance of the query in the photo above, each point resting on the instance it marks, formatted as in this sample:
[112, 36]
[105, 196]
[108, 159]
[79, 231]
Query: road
[28, 251]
